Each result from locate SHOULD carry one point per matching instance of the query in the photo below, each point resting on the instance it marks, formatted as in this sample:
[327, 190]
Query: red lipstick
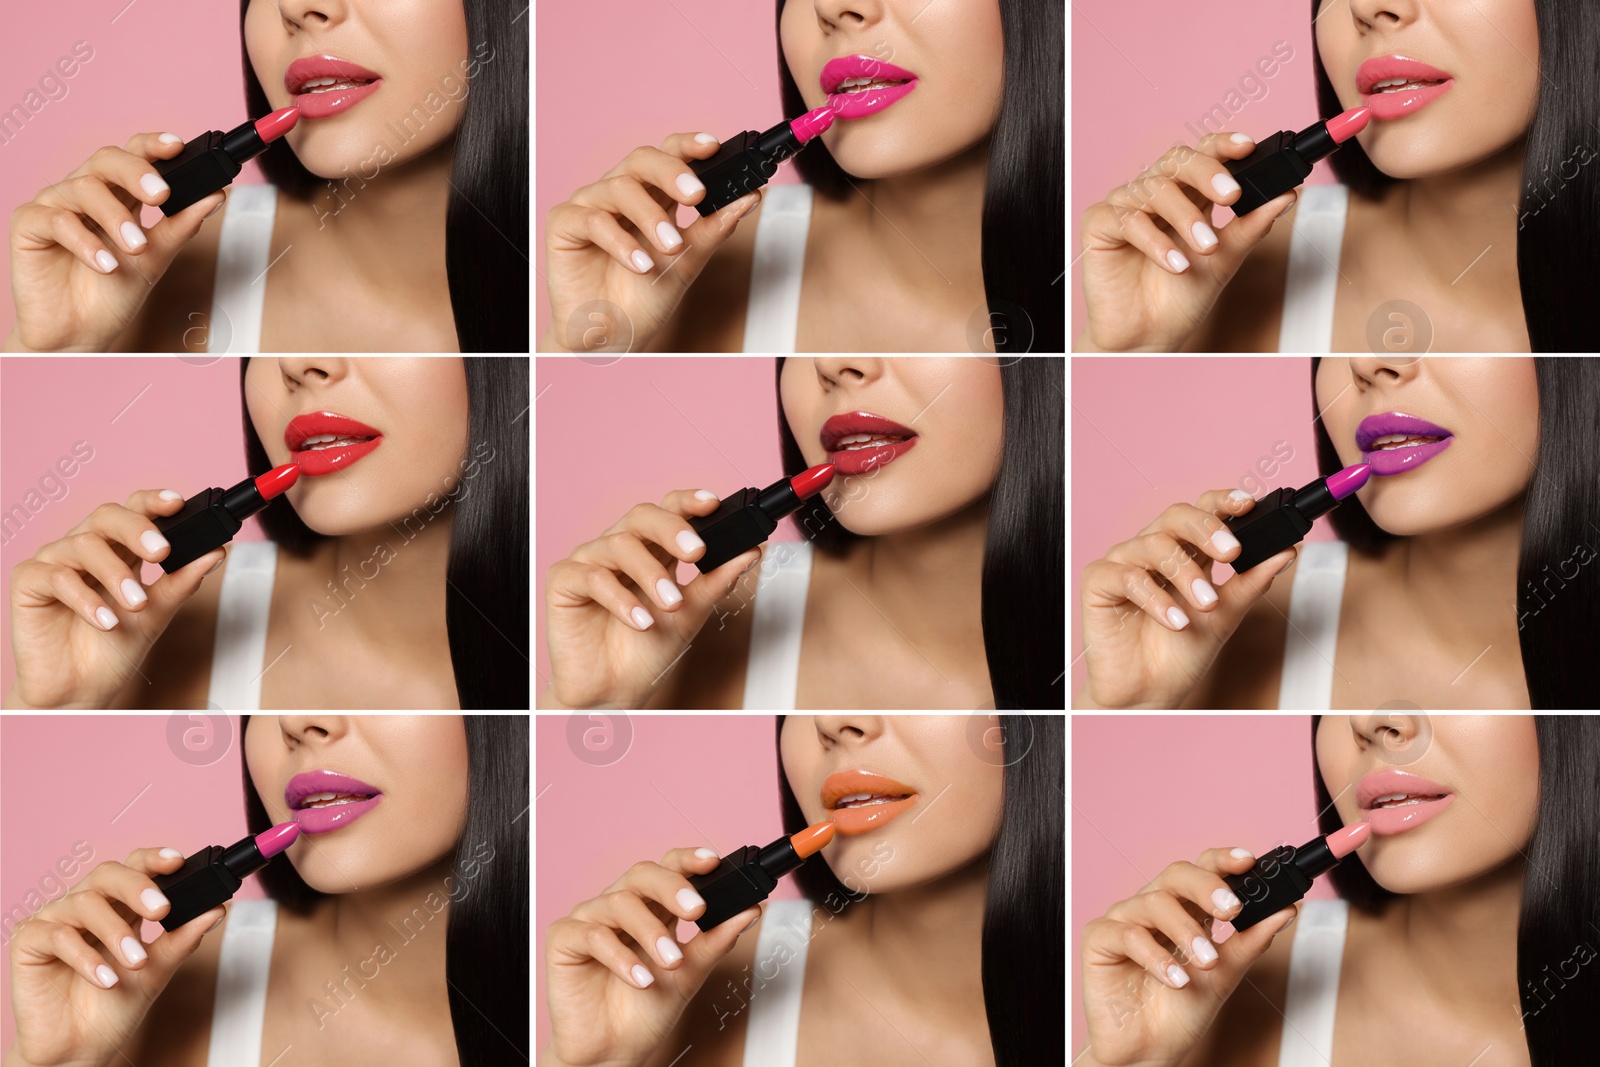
[748, 517]
[747, 877]
[1284, 875]
[860, 441]
[212, 517]
[1284, 160]
[748, 160]
[214, 874]
[323, 442]
[1284, 516]
[212, 160]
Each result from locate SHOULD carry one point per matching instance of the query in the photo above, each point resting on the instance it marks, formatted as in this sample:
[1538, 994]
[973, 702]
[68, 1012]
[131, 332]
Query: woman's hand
[80, 621]
[614, 245]
[81, 265]
[1153, 980]
[617, 980]
[1142, 648]
[615, 618]
[81, 981]
[1152, 265]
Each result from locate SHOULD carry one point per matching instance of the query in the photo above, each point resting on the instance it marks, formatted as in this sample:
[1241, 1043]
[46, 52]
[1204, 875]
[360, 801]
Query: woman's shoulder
[176, 317]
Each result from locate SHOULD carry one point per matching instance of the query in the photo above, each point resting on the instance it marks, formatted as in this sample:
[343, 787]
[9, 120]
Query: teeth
[857, 441]
[327, 85]
[1400, 440]
[1389, 85]
[1401, 800]
[866, 800]
[861, 85]
[329, 800]
[329, 440]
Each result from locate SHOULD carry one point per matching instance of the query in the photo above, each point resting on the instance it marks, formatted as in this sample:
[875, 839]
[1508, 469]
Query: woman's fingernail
[704, 138]
[1177, 618]
[152, 899]
[641, 262]
[1242, 854]
[1203, 593]
[214, 567]
[153, 185]
[1224, 541]
[107, 976]
[667, 591]
[132, 236]
[704, 494]
[153, 542]
[105, 261]
[669, 237]
[1241, 138]
[689, 541]
[642, 618]
[1203, 950]
[171, 494]
[1177, 976]
[1282, 213]
[740, 208]
[704, 854]
[170, 138]
[1177, 261]
[105, 617]
[669, 952]
[132, 951]
[1223, 900]
[170, 854]
[132, 592]
[1290, 923]
[1240, 495]
[216, 924]
[688, 184]
[1203, 235]
[688, 899]
[1224, 184]
[213, 211]
[642, 977]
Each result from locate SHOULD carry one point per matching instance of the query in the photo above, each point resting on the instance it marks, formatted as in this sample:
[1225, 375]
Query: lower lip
[319, 461]
[1388, 821]
[870, 102]
[1388, 461]
[862, 460]
[1388, 106]
[851, 821]
[323, 105]
[325, 820]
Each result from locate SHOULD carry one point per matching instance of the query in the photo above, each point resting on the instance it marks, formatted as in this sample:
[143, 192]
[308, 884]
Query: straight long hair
[486, 577]
[486, 226]
[1558, 581]
[1024, 927]
[1024, 559]
[486, 936]
[1024, 244]
[1560, 917]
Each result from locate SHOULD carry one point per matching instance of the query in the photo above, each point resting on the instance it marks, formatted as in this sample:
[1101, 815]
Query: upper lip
[1381, 425]
[860, 66]
[841, 426]
[1386, 782]
[842, 784]
[320, 422]
[1380, 68]
[309, 68]
[311, 783]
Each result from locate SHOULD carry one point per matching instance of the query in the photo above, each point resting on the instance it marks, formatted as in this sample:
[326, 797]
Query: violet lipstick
[211, 517]
[1284, 516]
[1284, 160]
[1284, 875]
[749, 516]
[213, 159]
[748, 160]
[214, 874]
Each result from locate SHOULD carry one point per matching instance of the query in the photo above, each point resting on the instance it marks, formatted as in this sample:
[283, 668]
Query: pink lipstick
[212, 517]
[1284, 516]
[324, 801]
[860, 85]
[323, 85]
[1395, 801]
[323, 442]
[748, 517]
[1284, 160]
[212, 160]
[860, 441]
[748, 160]
[1284, 875]
[1396, 86]
[214, 874]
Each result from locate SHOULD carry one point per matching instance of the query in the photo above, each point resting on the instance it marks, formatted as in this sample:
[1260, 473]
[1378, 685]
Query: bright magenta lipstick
[1284, 516]
[214, 874]
[749, 160]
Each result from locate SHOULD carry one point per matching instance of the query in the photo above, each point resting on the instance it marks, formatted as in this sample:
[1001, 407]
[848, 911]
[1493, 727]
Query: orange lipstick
[860, 801]
[747, 877]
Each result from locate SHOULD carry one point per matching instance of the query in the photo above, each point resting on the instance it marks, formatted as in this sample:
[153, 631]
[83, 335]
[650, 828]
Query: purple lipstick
[1394, 442]
[214, 874]
[323, 801]
[1284, 516]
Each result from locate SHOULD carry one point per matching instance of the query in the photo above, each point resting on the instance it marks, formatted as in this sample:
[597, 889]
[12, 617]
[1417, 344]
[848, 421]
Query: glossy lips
[325, 460]
[313, 785]
[870, 800]
[845, 439]
[1376, 80]
[863, 102]
[1386, 461]
[1395, 801]
[321, 100]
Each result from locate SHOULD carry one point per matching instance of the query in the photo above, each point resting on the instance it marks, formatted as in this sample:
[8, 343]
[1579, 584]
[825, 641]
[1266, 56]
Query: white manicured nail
[132, 592]
[105, 261]
[105, 617]
[688, 899]
[170, 138]
[132, 951]
[1224, 541]
[1284, 212]
[689, 541]
[669, 952]
[1223, 900]
[171, 494]
[1177, 618]
[107, 976]
[1241, 138]
[152, 541]
[641, 262]
[704, 138]
[669, 237]
[642, 618]
[1242, 854]
[1203, 235]
[1203, 950]
[704, 854]
[153, 899]
[642, 977]
[1177, 261]
[170, 854]
[1224, 184]
[1177, 976]
[220, 205]
[132, 236]
[704, 494]
[688, 184]
[667, 591]
[1240, 495]
[1203, 593]
[153, 185]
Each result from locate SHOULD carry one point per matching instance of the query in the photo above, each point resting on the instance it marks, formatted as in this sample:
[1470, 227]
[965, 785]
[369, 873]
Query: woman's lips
[326, 800]
[1378, 435]
[859, 801]
[1395, 801]
[335, 85]
[307, 438]
[851, 446]
[1389, 98]
[859, 85]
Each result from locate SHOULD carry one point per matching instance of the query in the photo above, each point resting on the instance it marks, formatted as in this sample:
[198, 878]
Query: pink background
[659, 58]
[669, 788]
[1149, 432]
[48, 404]
[143, 77]
[1140, 72]
[111, 781]
[1188, 798]
[615, 434]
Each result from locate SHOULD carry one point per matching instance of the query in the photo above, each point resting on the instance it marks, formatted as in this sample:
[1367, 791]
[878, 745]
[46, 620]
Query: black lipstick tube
[743, 879]
[749, 516]
[209, 162]
[743, 164]
[209, 520]
[1280, 519]
[208, 878]
[1279, 879]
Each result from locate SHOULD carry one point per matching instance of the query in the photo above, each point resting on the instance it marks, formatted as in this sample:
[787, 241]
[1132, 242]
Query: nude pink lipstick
[324, 86]
[324, 801]
[1396, 86]
[1284, 875]
[1284, 160]
[1395, 801]
[214, 874]
[748, 160]
[212, 160]
[1284, 516]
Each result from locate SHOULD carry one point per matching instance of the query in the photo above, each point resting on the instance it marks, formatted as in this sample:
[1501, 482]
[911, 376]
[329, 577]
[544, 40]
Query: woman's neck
[1463, 224]
[387, 585]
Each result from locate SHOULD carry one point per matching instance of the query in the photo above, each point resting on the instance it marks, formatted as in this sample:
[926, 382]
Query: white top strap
[773, 317]
[240, 1010]
[1313, 993]
[1313, 634]
[773, 1030]
[238, 655]
[1313, 280]
[241, 283]
[773, 672]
